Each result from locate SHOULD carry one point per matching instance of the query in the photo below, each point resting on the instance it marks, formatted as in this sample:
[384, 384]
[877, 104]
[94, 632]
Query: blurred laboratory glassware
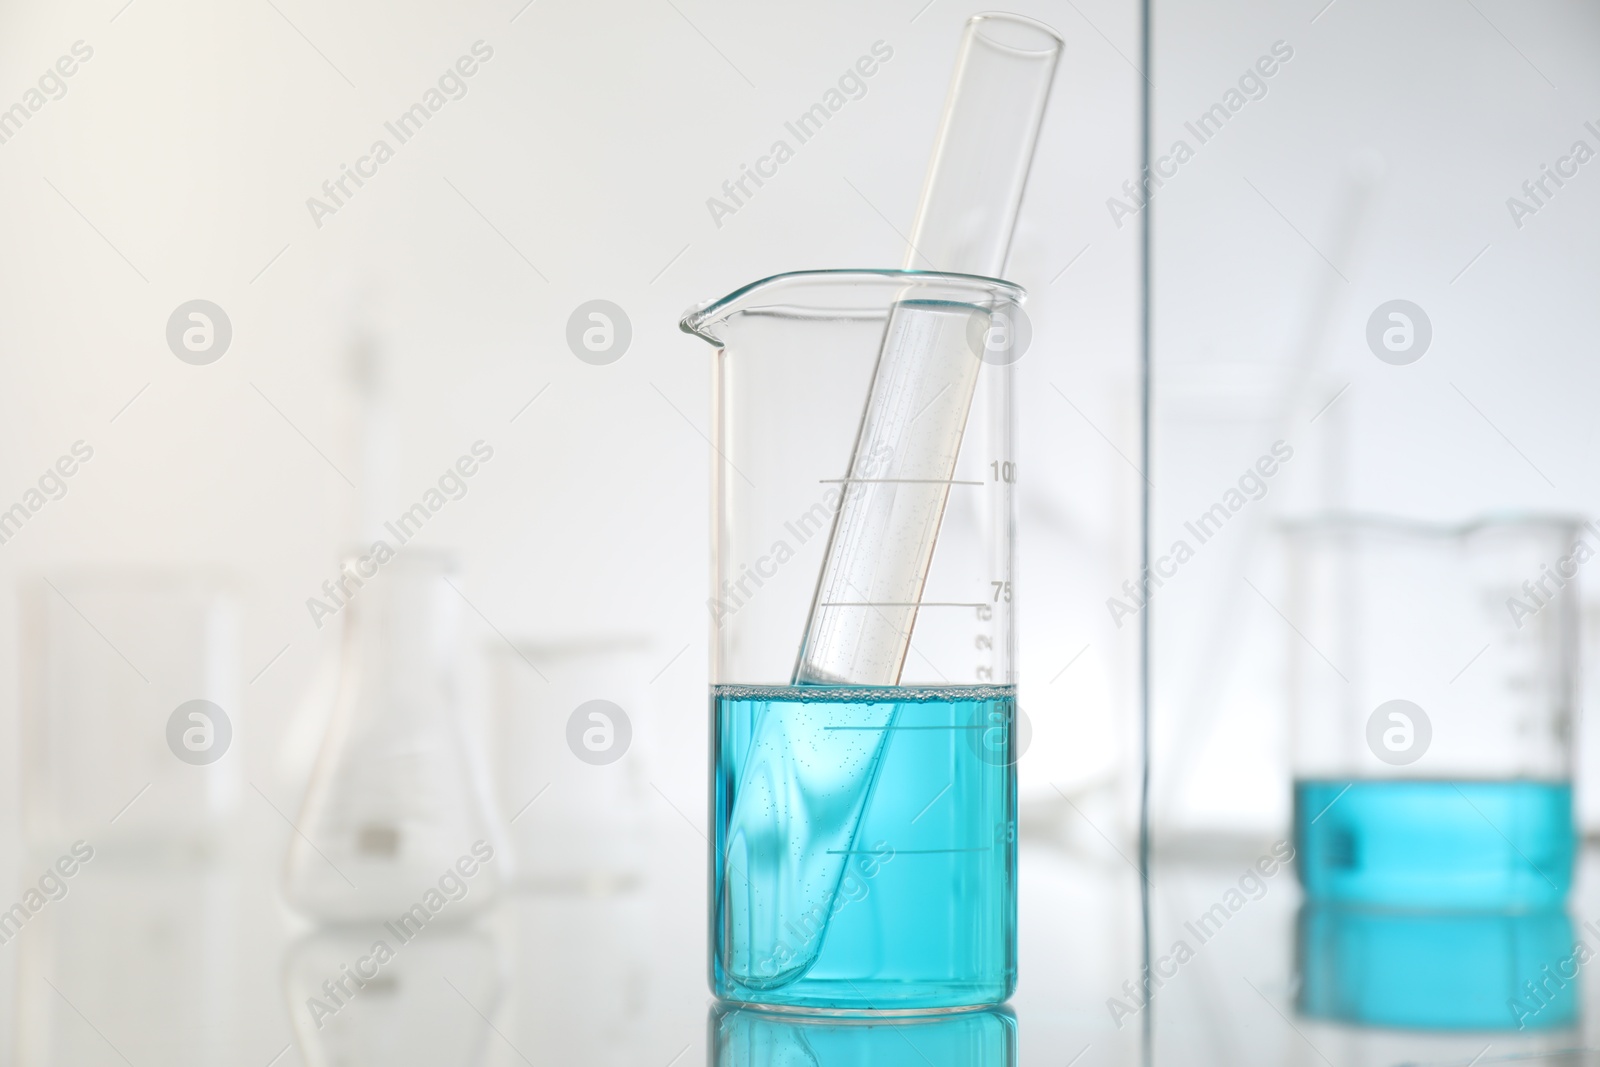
[1433, 685]
[108, 658]
[574, 822]
[748, 1037]
[426, 1002]
[148, 947]
[392, 805]
[823, 856]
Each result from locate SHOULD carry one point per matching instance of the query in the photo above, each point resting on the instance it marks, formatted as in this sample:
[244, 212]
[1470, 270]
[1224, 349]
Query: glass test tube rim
[1050, 41]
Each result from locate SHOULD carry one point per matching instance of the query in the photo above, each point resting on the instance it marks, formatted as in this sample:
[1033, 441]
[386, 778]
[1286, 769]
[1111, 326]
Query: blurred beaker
[392, 806]
[747, 1037]
[109, 657]
[1433, 687]
[427, 1002]
[572, 786]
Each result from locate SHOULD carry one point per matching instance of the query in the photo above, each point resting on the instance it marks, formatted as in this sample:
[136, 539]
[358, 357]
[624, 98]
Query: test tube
[883, 538]
[984, 149]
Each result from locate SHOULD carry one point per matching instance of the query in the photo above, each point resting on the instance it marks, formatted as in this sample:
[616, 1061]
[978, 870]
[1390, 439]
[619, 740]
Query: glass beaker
[864, 856]
[110, 658]
[1433, 687]
[392, 817]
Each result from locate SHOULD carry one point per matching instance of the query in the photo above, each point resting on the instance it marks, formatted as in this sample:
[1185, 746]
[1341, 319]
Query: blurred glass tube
[883, 538]
[391, 805]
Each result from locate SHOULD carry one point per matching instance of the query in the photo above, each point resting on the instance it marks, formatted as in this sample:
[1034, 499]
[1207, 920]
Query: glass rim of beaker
[1361, 522]
[699, 319]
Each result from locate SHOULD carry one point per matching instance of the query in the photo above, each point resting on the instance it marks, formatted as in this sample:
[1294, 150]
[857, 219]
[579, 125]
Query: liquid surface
[1435, 844]
[1439, 971]
[865, 850]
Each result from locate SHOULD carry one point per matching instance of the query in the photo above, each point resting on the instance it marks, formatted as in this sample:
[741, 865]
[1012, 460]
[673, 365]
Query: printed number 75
[1002, 591]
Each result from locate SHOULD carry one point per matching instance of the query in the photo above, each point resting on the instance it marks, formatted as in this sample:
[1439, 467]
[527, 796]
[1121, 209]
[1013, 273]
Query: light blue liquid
[865, 849]
[1439, 971]
[1417, 843]
[745, 1038]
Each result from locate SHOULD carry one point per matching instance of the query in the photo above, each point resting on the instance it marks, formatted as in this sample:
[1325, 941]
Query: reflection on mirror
[745, 1037]
[1449, 971]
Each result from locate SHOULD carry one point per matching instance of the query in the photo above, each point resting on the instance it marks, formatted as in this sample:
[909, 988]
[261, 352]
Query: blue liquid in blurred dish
[1417, 843]
[746, 1038]
[1439, 970]
[865, 849]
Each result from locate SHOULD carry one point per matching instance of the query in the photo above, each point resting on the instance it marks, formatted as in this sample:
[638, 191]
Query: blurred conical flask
[391, 804]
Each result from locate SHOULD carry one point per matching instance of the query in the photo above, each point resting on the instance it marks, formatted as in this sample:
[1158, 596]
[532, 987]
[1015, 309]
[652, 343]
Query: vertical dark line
[1145, 368]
